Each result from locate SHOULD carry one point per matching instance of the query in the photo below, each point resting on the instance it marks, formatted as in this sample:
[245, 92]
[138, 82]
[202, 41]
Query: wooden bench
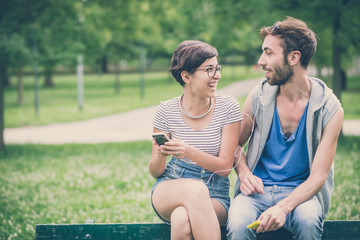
[333, 230]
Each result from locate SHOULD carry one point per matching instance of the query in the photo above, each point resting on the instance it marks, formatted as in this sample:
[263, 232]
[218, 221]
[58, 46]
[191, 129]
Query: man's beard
[281, 74]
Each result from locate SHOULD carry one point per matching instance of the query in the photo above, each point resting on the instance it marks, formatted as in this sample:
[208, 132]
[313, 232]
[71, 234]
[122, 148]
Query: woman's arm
[158, 159]
[225, 160]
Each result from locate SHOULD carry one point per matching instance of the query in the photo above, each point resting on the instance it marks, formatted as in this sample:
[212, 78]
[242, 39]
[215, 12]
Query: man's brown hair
[296, 36]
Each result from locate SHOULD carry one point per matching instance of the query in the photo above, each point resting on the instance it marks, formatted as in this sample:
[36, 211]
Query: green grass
[110, 182]
[346, 198]
[44, 184]
[72, 183]
[59, 104]
[351, 97]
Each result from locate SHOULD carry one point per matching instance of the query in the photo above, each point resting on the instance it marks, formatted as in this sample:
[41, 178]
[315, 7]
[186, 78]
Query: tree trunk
[343, 79]
[48, 81]
[117, 78]
[3, 75]
[336, 55]
[104, 64]
[48, 74]
[7, 82]
[337, 71]
[20, 83]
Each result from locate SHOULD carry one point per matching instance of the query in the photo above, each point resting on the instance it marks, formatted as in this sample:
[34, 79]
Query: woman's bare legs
[180, 224]
[187, 205]
[220, 212]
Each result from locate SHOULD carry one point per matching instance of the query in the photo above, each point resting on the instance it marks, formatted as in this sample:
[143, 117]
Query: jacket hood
[319, 93]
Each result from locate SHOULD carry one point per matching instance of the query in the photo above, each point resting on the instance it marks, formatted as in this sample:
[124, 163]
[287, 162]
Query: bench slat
[152, 231]
[333, 230]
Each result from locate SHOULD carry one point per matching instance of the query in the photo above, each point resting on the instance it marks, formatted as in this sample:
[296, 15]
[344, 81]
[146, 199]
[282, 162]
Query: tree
[236, 31]
[57, 37]
[337, 25]
[19, 20]
[341, 19]
[15, 18]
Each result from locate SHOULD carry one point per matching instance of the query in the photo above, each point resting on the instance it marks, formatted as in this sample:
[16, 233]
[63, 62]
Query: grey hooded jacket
[323, 104]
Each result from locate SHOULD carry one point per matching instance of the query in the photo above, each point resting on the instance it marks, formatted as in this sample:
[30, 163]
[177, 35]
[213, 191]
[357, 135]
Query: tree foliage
[52, 33]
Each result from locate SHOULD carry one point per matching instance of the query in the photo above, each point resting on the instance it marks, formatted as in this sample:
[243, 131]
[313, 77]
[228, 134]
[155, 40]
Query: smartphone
[160, 138]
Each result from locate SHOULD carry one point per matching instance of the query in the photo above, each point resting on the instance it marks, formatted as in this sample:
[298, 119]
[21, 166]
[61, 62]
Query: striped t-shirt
[168, 119]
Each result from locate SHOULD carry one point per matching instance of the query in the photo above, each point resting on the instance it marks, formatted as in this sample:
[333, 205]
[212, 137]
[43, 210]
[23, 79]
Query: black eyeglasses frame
[218, 68]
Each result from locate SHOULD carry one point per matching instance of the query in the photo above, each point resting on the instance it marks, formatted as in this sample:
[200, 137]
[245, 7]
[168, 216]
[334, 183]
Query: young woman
[192, 190]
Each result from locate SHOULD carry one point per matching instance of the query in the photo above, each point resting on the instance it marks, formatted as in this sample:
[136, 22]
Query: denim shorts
[218, 186]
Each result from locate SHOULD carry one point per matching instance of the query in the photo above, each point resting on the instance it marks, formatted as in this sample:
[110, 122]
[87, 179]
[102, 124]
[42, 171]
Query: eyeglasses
[276, 26]
[211, 71]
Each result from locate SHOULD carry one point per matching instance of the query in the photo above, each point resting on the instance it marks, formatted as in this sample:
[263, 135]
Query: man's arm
[249, 183]
[274, 217]
[248, 120]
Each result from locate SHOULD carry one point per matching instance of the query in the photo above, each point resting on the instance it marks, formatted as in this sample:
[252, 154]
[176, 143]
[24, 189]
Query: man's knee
[308, 213]
[236, 228]
[307, 228]
[307, 220]
[240, 215]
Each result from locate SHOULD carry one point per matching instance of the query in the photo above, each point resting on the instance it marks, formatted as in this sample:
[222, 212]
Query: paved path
[128, 126]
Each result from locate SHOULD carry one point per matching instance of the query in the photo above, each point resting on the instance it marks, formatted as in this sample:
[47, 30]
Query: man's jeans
[304, 222]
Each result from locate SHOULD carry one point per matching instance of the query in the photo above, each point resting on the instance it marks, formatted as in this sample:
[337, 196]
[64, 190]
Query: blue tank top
[284, 161]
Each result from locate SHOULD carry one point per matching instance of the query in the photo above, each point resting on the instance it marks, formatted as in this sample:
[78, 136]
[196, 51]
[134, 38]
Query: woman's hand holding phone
[160, 138]
[176, 148]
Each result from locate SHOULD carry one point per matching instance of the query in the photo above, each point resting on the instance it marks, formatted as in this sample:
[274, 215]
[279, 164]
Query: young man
[286, 178]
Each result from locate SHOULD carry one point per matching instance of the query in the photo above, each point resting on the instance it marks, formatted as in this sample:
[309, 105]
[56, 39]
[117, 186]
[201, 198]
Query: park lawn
[110, 182]
[60, 103]
[44, 184]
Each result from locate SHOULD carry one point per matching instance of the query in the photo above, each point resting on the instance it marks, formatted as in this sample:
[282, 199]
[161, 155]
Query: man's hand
[250, 184]
[272, 219]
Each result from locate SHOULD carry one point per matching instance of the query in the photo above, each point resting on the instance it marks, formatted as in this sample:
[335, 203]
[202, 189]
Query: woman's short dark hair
[188, 56]
[296, 36]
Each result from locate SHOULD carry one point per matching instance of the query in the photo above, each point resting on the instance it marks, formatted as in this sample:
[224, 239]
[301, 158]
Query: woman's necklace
[192, 116]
